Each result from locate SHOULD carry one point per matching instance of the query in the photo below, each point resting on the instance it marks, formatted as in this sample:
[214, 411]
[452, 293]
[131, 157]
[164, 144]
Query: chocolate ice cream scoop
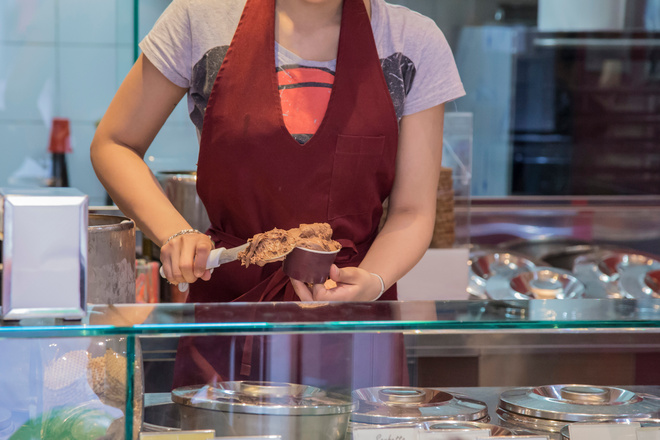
[267, 247]
[276, 244]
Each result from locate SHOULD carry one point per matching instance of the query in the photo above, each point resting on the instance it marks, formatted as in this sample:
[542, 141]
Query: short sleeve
[168, 45]
[437, 80]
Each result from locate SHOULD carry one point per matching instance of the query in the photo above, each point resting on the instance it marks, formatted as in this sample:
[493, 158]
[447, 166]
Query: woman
[366, 126]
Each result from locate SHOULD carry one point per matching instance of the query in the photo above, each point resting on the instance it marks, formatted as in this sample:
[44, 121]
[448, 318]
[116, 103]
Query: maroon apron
[254, 176]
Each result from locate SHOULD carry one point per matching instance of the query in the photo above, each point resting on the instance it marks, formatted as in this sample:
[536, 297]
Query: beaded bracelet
[184, 232]
[382, 285]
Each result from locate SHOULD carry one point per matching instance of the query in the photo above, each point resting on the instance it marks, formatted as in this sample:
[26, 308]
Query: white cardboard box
[442, 274]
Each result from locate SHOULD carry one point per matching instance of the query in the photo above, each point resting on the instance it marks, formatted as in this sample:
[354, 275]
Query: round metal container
[565, 433]
[111, 260]
[159, 417]
[539, 283]
[264, 408]
[390, 405]
[548, 409]
[485, 264]
[181, 189]
[619, 274]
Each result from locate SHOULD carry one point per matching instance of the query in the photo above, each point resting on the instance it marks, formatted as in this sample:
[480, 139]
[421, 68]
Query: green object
[77, 423]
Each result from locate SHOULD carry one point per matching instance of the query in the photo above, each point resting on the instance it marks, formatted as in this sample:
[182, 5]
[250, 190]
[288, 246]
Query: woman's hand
[346, 284]
[184, 258]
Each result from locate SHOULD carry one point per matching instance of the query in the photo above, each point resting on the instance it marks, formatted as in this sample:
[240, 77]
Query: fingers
[352, 284]
[184, 258]
[199, 261]
[302, 290]
[346, 275]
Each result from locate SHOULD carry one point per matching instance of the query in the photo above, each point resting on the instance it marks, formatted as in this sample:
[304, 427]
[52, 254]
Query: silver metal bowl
[485, 264]
[611, 274]
[539, 283]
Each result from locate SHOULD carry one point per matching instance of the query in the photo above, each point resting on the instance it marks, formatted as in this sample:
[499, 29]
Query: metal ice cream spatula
[216, 258]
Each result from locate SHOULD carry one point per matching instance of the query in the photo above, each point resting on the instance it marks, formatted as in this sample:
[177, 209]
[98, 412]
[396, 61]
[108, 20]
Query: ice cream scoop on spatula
[223, 255]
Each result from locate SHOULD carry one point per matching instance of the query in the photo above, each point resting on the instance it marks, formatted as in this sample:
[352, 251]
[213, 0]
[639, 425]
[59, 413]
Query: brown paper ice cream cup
[309, 266]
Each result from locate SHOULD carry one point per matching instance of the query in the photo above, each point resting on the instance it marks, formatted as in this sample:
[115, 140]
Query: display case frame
[430, 328]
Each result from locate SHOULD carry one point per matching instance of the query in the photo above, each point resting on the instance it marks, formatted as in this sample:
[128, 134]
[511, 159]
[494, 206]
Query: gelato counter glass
[290, 368]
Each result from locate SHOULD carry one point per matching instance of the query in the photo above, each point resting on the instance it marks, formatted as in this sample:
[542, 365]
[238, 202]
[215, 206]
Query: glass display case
[110, 375]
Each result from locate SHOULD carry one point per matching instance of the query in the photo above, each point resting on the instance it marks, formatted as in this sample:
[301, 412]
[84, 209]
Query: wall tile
[175, 148]
[21, 141]
[150, 10]
[180, 113]
[81, 172]
[28, 75]
[124, 61]
[124, 25]
[31, 21]
[87, 81]
[87, 21]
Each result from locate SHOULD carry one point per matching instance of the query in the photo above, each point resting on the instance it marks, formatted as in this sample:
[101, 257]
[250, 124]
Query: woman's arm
[139, 109]
[408, 230]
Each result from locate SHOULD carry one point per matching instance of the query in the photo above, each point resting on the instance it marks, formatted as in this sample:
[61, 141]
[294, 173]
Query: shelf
[556, 316]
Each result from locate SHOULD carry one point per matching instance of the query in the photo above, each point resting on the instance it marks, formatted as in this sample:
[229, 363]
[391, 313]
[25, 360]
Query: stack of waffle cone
[445, 224]
[444, 230]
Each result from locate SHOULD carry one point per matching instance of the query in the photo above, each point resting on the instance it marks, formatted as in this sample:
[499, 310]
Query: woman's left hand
[346, 284]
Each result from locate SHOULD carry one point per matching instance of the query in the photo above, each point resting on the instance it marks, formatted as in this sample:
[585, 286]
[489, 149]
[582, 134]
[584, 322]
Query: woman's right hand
[184, 258]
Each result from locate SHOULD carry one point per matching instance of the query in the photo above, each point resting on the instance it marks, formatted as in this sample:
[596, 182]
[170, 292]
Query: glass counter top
[338, 317]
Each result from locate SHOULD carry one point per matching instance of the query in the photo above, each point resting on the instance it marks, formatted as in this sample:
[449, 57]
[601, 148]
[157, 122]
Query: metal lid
[272, 398]
[486, 264]
[387, 405]
[538, 283]
[575, 403]
[495, 431]
[611, 274]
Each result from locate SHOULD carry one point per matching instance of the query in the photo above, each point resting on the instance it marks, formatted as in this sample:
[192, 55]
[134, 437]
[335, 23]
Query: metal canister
[111, 260]
[243, 408]
[395, 405]
[547, 409]
[181, 189]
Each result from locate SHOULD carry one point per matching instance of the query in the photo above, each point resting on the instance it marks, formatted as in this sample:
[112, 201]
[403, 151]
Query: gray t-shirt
[190, 39]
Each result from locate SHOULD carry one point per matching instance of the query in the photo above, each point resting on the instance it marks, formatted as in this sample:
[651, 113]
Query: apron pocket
[354, 186]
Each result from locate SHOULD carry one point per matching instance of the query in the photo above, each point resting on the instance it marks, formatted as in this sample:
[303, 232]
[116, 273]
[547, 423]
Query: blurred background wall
[66, 58]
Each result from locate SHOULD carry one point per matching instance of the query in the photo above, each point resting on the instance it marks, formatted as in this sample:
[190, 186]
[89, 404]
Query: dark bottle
[59, 147]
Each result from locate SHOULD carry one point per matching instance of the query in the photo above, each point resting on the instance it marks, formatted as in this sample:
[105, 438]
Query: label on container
[648, 433]
[385, 434]
[603, 431]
